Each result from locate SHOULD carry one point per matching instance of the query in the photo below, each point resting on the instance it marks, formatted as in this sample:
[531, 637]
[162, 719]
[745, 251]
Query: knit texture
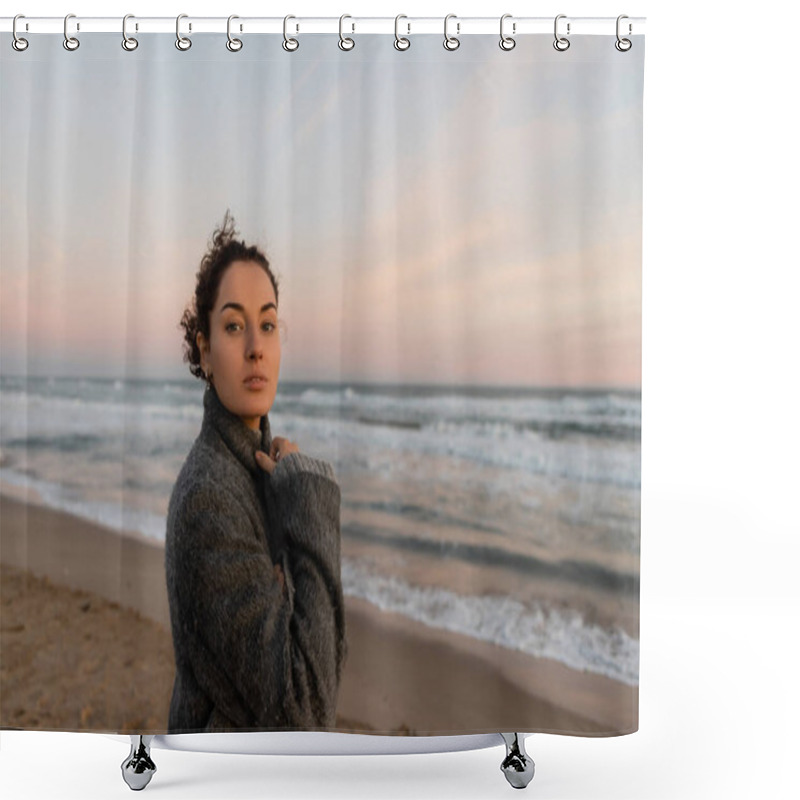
[250, 654]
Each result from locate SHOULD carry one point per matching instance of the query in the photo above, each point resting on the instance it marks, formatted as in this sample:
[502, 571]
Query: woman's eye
[233, 325]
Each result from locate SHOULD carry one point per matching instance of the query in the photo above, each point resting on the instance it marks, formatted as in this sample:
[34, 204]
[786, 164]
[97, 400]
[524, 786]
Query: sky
[431, 216]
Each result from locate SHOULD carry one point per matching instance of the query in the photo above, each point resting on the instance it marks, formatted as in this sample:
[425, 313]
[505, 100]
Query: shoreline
[470, 686]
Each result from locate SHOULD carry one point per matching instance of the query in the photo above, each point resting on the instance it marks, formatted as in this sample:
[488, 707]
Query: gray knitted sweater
[249, 654]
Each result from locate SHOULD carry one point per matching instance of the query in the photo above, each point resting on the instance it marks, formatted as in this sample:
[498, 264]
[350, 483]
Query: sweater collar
[242, 440]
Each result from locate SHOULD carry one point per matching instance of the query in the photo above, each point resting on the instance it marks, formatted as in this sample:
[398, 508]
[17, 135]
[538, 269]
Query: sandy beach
[85, 644]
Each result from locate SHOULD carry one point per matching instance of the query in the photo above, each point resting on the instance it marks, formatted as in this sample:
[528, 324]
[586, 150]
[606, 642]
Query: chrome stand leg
[138, 767]
[517, 766]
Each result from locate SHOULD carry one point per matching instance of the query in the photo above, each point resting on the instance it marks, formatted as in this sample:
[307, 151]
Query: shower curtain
[451, 243]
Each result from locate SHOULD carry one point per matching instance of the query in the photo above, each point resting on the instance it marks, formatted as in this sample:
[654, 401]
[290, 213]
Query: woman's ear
[201, 346]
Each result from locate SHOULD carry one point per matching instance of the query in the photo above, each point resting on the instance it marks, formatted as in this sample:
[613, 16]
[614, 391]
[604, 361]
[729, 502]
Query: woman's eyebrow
[240, 307]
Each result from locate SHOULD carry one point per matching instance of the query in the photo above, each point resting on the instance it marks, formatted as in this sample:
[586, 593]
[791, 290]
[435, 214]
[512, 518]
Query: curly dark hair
[224, 249]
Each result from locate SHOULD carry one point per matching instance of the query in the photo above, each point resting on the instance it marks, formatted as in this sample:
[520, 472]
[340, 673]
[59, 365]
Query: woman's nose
[253, 347]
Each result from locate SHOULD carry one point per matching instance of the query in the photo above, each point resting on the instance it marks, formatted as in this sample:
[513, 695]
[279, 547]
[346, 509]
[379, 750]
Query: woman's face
[244, 341]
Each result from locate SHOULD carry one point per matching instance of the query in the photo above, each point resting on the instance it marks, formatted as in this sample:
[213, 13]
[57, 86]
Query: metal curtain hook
[234, 45]
[182, 42]
[289, 44]
[623, 45]
[507, 42]
[18, 43]
[70, 42]
[561, 43]
[451, 42]
[400, 42]
[346, 43]
[128, 42]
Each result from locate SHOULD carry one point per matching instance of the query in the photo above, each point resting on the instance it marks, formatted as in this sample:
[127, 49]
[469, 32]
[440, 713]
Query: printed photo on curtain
[320, 385]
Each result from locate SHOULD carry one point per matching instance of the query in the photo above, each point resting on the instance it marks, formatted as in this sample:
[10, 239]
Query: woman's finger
[279, 447]
[264, 461]
[279, 575]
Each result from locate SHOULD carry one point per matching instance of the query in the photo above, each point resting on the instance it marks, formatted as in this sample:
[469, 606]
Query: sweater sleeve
[309, 500]
[258, 648]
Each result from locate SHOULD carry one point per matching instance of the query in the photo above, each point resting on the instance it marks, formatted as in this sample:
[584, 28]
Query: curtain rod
[298, 25]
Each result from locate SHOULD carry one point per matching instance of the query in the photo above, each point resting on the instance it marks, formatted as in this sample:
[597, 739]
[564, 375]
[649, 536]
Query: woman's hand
[279, 448]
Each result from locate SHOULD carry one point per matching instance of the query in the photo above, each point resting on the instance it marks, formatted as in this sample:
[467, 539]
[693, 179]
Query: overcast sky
[432, 216]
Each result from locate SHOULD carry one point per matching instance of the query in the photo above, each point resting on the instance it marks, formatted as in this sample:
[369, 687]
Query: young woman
[252, 554]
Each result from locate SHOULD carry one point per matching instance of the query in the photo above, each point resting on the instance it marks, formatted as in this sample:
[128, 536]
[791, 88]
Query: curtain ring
[234, 45]
[289, 44]
[345, 43]
[561, 43]
[400, 42]
[128, 42]
[507, 42]
[70, 42]
[182, 42]
[623, 45]
[18, 43]
[451, 42]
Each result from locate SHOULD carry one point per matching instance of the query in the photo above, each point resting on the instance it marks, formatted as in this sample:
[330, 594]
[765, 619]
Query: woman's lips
[255, 383]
